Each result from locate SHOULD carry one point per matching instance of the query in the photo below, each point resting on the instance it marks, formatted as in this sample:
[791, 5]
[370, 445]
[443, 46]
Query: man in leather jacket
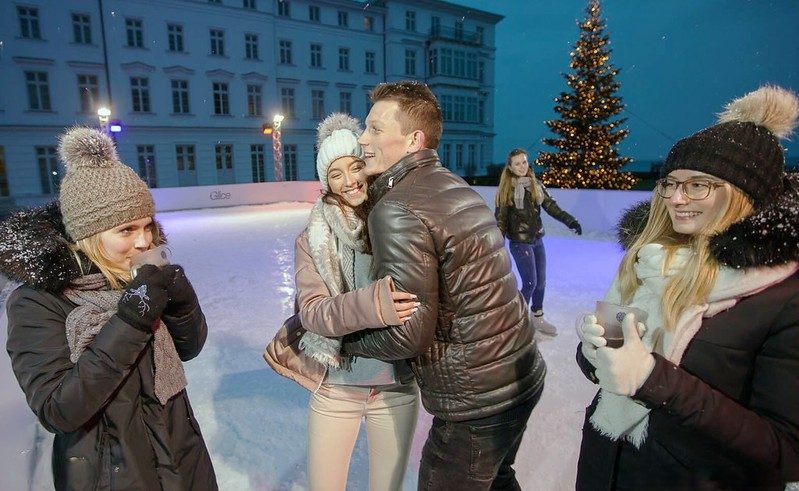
[470, 343]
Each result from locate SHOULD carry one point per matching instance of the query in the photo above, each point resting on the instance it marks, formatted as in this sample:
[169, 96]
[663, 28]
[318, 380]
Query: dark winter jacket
[110, 430]
[525, 225]
[470, 343]
[728, 416]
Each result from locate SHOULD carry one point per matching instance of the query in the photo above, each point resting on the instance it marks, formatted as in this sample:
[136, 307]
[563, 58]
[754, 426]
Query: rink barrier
[596, 210]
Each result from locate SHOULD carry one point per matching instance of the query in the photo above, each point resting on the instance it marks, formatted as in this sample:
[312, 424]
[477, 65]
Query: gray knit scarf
[334, 234]
[96, 303]
[522, 184]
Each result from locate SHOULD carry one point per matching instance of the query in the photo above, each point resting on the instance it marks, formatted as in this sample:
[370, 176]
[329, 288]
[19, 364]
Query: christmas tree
[587, 154]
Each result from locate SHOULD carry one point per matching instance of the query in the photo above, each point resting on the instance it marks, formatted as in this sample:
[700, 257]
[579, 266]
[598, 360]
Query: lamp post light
[103, 114]
[277, 149]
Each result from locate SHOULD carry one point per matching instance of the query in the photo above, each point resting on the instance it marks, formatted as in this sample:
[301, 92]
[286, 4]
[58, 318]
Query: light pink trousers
[334, 421]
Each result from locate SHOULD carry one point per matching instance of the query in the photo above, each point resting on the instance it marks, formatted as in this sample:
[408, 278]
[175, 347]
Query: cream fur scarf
[620, 416]
[333, 236]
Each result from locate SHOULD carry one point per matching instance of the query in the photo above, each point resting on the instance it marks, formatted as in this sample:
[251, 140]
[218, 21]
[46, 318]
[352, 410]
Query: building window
[316, 55]
[471, 66]
[215, 1]
[180, 96]
[184, 157]
[257, 160]
[3, 175]
[343, 19]
[345, 102]
[135, 33]
[248, 4]
[283, 8]
[285, 52]
[140, 94]
[29, 22]
[287, 101]
[368, 23]
[458, 30]
[471, 160]
[314, 14]
[459, 156]
[38, 91]
[146, 155]
[445, 154]
[410, 20]
[344, 59]
[254, 101]
[251, 46]
[175, 37]
[221, 98]
[410, 62]
[480, 33]
[81, 29]
[217, 42]
[481, 70]
[49, 173]
[370, 62]
[435, 25]
[290, 162]
[317, 104]
[481, 111]
[224, 156]
[88, 92]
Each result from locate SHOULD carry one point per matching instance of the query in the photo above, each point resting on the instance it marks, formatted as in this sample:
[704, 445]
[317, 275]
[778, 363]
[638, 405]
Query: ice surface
[240, 261]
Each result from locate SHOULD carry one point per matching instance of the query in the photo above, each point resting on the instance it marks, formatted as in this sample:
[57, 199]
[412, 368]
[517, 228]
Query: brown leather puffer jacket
[470, 343]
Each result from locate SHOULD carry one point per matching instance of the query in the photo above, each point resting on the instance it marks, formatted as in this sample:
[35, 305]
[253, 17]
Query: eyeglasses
[693, 189]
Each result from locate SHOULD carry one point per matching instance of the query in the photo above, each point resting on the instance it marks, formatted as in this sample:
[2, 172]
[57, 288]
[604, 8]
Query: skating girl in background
[98, 354]
[709, 397]
[336, 296]
[520, 197]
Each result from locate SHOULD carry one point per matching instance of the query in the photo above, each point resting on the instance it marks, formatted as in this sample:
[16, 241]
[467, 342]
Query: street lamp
[103, 114]
[277, 149]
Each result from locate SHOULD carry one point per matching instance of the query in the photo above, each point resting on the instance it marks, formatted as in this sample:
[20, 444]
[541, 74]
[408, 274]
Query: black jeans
[476, 454]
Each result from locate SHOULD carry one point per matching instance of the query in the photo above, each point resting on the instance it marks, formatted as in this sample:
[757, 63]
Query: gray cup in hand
[610, 315]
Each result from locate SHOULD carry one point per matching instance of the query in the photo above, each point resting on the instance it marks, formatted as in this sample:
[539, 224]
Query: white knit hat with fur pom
[337, 136]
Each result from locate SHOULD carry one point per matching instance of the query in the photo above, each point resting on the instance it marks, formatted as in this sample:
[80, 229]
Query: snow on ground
[240, 261]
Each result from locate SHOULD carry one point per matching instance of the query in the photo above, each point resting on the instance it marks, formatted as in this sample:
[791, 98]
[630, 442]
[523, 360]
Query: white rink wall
[596, 210]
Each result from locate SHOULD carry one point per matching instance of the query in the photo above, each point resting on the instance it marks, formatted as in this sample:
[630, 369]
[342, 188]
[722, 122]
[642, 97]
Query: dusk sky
[680, 61]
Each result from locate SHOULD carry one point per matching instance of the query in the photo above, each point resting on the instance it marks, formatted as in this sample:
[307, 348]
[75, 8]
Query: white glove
[590, 333]
[624, 370]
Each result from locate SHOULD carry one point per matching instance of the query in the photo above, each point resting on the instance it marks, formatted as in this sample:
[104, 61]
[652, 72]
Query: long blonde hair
[93, 249]
[504, 195]
[693, 283]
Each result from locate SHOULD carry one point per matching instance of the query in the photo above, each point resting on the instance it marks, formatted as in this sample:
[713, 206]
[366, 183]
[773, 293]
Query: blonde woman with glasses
[706, 394]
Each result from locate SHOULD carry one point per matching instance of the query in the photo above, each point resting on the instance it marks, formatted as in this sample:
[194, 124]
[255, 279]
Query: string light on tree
[586, 154]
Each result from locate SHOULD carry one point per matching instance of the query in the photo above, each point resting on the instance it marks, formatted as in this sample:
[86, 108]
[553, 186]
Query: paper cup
[610, 315]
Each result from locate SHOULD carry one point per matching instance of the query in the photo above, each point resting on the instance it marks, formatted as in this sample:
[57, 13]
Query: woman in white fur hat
[337, 296]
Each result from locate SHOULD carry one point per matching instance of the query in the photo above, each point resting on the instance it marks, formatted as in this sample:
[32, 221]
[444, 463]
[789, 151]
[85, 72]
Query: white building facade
[190, 83]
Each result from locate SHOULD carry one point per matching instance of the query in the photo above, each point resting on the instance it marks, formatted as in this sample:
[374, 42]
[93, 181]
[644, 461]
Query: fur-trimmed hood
[769, 237]
[35, 249]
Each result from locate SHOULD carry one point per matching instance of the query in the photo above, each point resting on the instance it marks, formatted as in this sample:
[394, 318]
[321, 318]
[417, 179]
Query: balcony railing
[455, 34]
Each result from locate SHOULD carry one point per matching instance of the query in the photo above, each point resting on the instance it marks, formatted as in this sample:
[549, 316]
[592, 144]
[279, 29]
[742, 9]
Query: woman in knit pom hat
[706, 394]
[99, 354]
[336, 296]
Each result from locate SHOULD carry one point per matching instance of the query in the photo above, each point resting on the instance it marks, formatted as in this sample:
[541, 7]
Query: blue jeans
[531, 261]
[477, 454]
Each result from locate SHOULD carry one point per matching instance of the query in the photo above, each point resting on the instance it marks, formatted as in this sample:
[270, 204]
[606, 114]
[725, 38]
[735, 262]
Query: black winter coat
[728, 416]
[525, 225]
[470, 343]
[111, 432]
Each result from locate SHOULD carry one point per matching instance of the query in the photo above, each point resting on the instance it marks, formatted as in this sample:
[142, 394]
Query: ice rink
[240, 261]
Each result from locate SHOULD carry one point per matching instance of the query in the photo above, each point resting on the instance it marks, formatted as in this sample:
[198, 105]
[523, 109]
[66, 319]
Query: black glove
[144, 298]
[577, 228]
[182, 298]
